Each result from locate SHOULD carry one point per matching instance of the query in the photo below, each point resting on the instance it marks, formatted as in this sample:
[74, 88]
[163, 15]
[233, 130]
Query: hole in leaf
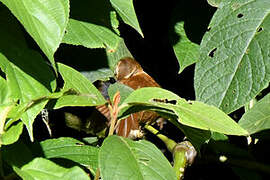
[259, 29]
[226, 105]
[144, 159]
[240, 15]
[211, 54]
[189, 102]
[79, 144]
[165, 101]
[234, 91]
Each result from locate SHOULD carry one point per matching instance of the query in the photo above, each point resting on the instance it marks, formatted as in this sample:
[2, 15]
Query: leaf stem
[97, 174]
[114, 110]
[183, 153]
[170, 144]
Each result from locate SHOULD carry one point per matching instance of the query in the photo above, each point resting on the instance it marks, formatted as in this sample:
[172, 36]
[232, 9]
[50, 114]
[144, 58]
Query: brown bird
[129, 72]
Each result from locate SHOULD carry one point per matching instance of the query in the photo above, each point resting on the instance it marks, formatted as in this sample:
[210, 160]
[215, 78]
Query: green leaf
[90, 35]
[235, 63]
[40, 169]
[214, 3]
[3, 90]
[12, 134]
[26, 85]
[123, 89]
[28, 76]
[126, 11]
[186, 51]
[85, 93]
[190, 113]
[103, 74]
[122, 158]
[120, 52]
[72, 149]
[197, 137]
[45, 22]
[258, 117]
[114, 22]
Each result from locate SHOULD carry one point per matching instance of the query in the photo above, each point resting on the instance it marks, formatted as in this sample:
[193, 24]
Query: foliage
[232, 70]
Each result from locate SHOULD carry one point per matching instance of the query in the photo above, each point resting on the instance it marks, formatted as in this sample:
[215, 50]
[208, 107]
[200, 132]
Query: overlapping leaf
[27, 74]
[103, 74]
[45, 22]
[126, 11]
[186, 51]
[82, 91]
[40, 169]
[258, 117]
[72, 149]
[190, 113]
[3, 90]
[122, 158]
[90, 35]
[120, 52]
[235, 63]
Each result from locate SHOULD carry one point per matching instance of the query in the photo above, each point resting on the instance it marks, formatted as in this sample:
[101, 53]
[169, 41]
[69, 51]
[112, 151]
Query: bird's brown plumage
[129, 72]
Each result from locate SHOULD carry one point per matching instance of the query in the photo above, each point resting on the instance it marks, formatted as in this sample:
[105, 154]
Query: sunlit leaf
[3, 90]
[90, 35]
[121, 158]
[190, 113]
[72, 149]
[85, 93]
[234, 61]
[126, 11]
[28, 76]
[40, 169]
[11, 134]
[45, 21]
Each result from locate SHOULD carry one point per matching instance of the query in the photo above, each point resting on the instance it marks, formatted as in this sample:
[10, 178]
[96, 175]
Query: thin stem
[170, 144]
[113, 121]
[114, 110]
[97, 174]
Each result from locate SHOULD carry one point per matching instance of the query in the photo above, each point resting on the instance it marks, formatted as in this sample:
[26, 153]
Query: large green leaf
[126, 11]
[258, 117]
[122, 158]
[190, 113]
[235, 63]
[72, 149]
[45, 21]
[40, 169]
[85, 93]
[90, 35]
[27, 74]
[186, 51]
